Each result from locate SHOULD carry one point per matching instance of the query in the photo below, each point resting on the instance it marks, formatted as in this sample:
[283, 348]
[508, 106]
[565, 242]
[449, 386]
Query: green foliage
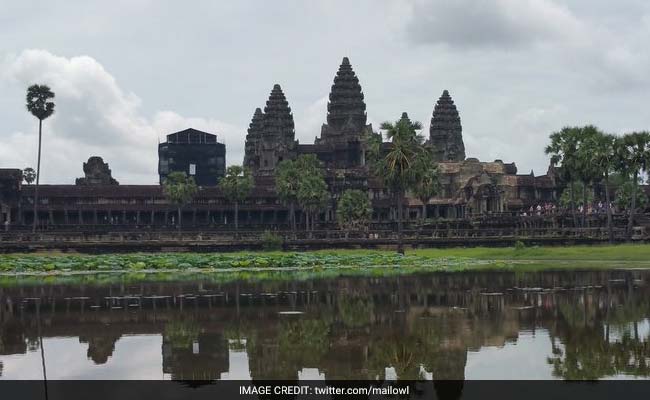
[565, 197]
[181, 334]
[29, 175]
[624, 196]
[38, 101]
[519, 245]
[400, 167]
[237, 184]
[271, 241]
[353, 210]
[301, 181]
[179, 188]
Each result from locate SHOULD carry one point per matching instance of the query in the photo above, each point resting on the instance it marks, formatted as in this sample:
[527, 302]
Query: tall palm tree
[237, 186]
[603, 148]
[312, 196]
[563, 151]
[290, 176]
[634, 159]
[428, 185]
[40, 106]
[398, 167]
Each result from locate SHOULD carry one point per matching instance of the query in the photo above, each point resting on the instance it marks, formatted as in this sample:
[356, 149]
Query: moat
[465, 325]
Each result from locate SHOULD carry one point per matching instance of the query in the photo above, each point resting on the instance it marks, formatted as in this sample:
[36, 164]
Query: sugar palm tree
[634, 159]
[312, 196]
[29, 175]
[40, 106]
[428, 185]
[237, 185]
[399, 167]
[563, 151]
[602, 148]
[290, 175]
[179, 190]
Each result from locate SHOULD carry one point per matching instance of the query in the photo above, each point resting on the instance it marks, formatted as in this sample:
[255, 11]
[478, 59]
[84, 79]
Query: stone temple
[469, 187]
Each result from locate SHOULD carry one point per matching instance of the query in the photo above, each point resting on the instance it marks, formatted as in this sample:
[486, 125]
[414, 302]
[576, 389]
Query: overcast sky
[126, 73]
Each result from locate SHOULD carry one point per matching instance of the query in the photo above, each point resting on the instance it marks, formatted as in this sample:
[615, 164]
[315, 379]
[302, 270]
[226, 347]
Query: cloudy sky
[126, 73]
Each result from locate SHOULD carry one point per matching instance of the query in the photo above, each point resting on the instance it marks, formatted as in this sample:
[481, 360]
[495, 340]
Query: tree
[290, 175]
[29, 175]
[40, 106]
[634, 157]
[179, 190]
[428, 185]
[398, 166]
[602, 148]
[567, 150]
[237, 185]
[353, 210]
[586, 171]
[312, 196]
[623, 197]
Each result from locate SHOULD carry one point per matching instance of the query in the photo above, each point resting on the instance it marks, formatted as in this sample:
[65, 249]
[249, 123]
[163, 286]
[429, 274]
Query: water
[486, 325]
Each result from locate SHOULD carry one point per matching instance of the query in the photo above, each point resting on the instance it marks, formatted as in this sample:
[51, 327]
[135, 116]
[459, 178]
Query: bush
[271, 241]
[519, 245]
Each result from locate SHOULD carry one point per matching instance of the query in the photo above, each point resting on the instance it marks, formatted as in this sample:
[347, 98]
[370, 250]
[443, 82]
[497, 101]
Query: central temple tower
[446, 132]
[345, 131]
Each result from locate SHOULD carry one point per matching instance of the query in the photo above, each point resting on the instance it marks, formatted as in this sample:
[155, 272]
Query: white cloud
[95, 116]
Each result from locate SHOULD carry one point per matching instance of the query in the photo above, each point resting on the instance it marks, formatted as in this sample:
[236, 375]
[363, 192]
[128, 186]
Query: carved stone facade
[96, 172]
[271, 135]
[446, 132]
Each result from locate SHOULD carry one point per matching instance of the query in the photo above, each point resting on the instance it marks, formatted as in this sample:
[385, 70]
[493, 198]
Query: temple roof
[256, 125]
[278, 120]
[446, 131]
[191, 135]
[346, 99]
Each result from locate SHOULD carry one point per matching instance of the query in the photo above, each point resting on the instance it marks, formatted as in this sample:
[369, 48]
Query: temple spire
[446, 132]
[278, 120]
[346, 103]
[251, 148]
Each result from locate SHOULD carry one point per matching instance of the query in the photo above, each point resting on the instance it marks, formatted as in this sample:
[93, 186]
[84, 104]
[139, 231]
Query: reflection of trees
[355, 311]
[303, 342]
[181, 333]
[588, 352]
[100, 348]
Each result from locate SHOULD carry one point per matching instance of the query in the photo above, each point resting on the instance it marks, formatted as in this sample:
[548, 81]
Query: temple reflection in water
[573, 325]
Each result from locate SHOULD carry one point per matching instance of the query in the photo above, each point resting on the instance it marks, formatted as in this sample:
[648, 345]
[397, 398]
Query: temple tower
[253, 137]
[277, 135]
[346, 129]
[446, 132]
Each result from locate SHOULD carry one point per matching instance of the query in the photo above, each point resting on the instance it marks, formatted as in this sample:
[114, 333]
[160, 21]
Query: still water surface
[475, 325]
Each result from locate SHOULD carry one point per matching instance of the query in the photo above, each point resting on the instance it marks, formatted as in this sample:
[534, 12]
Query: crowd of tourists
[549, 208]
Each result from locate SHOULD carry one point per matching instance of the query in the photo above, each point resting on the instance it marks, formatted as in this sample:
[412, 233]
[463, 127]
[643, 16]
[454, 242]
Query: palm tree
[634, 158]
[586, 170]
[40, 106]
[563, 151]
[290, 175]
[398, 166]
[428, 185]
[179, 190]
[29, 175]
[237, 185]
[312, 196]
[602, 148]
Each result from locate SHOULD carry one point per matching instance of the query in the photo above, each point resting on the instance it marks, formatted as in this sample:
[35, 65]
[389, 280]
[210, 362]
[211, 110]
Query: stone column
[81, 218]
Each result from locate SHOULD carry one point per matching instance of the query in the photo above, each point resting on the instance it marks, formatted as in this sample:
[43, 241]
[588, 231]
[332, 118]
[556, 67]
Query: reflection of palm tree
[40, 339]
